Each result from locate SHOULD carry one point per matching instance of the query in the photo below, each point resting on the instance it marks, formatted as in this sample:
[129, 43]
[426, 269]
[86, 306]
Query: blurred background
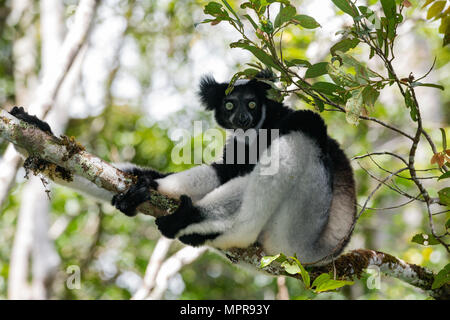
[133, 82]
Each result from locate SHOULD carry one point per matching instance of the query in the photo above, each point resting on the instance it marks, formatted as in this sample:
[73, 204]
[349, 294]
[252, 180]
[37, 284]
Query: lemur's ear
[211, 93]
[265, 74]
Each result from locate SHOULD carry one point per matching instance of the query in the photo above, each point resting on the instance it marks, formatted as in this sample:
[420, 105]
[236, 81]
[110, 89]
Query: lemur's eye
[252, 104]
[229, 105]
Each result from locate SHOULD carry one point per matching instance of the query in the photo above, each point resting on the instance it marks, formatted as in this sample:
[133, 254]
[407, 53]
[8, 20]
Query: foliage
[439, 10]
[322, 283]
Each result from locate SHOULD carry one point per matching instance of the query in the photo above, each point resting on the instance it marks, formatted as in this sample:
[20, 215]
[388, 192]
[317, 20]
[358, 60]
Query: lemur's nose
[243, 120]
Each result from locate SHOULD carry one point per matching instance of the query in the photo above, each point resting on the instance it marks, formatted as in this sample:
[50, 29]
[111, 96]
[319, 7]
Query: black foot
[185, 215]
[139, 172]
[196, 239]
[138, 193]
[21, 114]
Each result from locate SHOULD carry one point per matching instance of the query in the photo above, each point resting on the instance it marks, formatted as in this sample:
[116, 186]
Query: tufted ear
[266, 74]
[259, 85]
[211, 93]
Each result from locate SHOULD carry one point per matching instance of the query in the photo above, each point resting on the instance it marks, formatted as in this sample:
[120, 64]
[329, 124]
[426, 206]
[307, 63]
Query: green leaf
[319, 105]
[427, 3]
[444, 196]
[246, 5]
[411, 105]
[266, 26]
[285, 2]
[345, 6]
[444, 142]
[248, 73]
[344, 45]
[350, 61]
[370, 96]
[362, 72]
[305, 21]
[297, 63]
[444, 176]
[255, 26]
[291, 267]
[432, 85]
[275, 95]
[232, 11]
[425, 239]
[305, 275]
[332, 285]
[445, 25]
[258, 53]
[353, 107]
[213, 8]
[340, 77]
[327, 88]
[324, 277]
[435, 9]
[317, 70]
[388, 8]
[303, 97]
[286, 14]
[325, 283]
[266, 260]
[213, 22]
[216, 10]
[443, 277]
[380, 37]
[391, 29]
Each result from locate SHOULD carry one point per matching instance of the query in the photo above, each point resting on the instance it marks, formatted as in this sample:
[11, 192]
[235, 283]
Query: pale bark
[153, 268]
[25, 57]
[73, 42]
[10, 163]
[171, 267]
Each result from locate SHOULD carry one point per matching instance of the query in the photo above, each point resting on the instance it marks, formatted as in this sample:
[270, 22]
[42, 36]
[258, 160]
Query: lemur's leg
[195, 183]
[215, 220]
[21, 114]
[221, 203]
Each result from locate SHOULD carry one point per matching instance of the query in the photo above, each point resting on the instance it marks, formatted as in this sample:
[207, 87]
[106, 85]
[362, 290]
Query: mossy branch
[62, 158]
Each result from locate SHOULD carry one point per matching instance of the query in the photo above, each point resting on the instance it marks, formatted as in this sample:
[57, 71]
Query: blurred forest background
[132, 84]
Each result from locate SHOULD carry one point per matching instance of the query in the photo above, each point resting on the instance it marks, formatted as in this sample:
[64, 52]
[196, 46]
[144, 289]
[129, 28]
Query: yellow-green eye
[252, 104]
[229, 105]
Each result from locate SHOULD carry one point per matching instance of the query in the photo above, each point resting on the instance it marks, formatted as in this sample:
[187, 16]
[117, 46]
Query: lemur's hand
[138, 193]
[21, 114]
[185, 215]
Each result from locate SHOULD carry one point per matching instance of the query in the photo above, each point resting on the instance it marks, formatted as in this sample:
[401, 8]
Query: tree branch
[47, 152]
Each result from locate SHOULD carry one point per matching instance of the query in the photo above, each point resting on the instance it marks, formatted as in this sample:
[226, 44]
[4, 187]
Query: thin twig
[396, 188]
[375, 190]
[389, 208]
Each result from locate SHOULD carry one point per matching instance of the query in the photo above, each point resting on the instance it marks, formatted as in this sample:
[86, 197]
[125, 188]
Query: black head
[243, 108]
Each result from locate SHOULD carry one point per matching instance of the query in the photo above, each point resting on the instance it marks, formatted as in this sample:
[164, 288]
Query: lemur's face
[241, 109]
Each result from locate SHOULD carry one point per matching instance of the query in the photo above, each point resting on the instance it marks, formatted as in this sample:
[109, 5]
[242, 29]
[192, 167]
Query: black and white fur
[306, 208]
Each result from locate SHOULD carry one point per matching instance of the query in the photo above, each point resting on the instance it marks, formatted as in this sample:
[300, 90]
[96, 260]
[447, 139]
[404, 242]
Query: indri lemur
[306, 207]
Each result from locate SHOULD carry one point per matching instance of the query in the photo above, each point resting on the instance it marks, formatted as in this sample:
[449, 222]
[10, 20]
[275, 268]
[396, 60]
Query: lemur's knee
[21, 114]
